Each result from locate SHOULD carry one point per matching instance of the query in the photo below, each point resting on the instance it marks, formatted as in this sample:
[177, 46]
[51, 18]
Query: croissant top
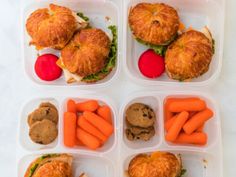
[87, 52]
[189, 56]
[159, 164]
[51, 165]
[155, 23]
[52, 27]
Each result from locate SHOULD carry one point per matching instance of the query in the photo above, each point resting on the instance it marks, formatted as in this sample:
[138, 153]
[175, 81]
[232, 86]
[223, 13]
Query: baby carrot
[105, 112]
[200, 129]
[69, 129]
[187, 105]
[99, 123]
[90, 105]
[191, 114]
[85, 125]
[87, 139]
[197, 120]
[170, 100]
[170, 122]
[78, 142]
[177, 126]
[167, 113]
[198, 138]
[71, 106]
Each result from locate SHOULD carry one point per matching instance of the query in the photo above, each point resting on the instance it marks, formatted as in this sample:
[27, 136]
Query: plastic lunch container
[113, 158]
[97, 11]
[205, 161]
[196, 14]
[95, 163]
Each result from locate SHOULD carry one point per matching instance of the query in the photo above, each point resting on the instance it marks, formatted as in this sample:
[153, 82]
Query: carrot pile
[185, 119]
[87, 124]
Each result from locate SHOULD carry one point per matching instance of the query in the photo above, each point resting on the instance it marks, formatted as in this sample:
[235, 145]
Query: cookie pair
[43, 124]
[140, 119]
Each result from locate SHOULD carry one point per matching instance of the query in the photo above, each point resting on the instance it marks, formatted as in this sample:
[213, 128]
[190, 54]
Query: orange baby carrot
[167, 114]
[105, 112]
[177, 126]
[78, 142]
[198, 138]
[170, 100]
[90, 105]
[69, 129]
[187, 105]
[192, 113]
[99, 123]
[200, 129]
[87, 139]
[85, 125]
[170, 122]
[197, 120]
[71, 106]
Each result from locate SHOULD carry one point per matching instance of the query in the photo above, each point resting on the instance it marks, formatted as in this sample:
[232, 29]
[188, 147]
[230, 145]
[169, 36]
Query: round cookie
[47, 104]
[137, 133]
[43, 132]
[43, 113]
[140, 115]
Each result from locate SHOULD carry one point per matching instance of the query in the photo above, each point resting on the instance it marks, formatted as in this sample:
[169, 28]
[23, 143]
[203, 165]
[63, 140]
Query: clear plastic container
[204, 161]
[94, 163]
[97, 11]
[196, 14]
[25, 140]
[112, 159]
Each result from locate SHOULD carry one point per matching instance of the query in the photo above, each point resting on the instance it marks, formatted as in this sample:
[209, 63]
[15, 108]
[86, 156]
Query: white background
[15, 88]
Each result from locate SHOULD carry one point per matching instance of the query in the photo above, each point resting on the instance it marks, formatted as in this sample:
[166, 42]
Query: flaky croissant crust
[162, 164]
[52, 27]
[87, 52]
[54, 169]
[189, 56]
[154, 23]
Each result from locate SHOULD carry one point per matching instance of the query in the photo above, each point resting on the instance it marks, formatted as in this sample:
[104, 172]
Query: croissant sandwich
[89, 56]
[51, 165]
[53, 27]
[155, 25]
[158, 164]
[190, 55]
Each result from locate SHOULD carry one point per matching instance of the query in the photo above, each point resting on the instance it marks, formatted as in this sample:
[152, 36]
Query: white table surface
[15, 88]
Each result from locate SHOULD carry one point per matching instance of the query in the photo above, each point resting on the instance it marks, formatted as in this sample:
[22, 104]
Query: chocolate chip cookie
[136, 133]
[43, 132]
[43, 113]
[140, 115]
[140, 119]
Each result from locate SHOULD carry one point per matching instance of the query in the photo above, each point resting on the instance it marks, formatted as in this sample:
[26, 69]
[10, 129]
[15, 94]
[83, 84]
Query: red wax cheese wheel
[151, 64]
[46, 67]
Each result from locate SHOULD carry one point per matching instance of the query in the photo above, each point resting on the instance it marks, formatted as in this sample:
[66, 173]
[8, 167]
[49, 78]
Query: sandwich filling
[111, 61]
[159, 49]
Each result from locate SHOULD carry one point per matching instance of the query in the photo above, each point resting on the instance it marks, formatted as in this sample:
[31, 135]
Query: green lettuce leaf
[183, 171]
[32, 170]
[81, 15]
[111, 61]
[159, 49]
[213, 45]
[35, 166]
